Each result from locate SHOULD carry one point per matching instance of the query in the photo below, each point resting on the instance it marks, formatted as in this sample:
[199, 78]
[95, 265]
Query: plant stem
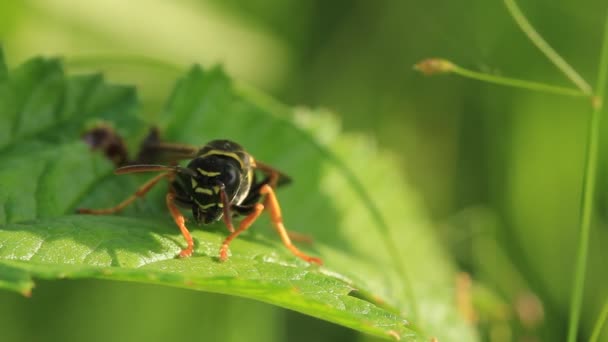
[597, 329]
[546, 49]
[517, 83]
[587, 201]
[433, 66]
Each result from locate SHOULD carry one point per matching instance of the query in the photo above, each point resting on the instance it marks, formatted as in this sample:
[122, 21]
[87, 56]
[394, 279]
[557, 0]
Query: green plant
[385, 273]
[595, 97]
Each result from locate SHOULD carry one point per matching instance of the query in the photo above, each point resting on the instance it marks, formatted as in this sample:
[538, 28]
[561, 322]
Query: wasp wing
[153, 150]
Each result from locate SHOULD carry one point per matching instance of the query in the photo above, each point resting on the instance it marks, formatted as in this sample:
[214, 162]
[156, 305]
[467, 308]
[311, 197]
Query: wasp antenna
[185, 170]
[143, 168]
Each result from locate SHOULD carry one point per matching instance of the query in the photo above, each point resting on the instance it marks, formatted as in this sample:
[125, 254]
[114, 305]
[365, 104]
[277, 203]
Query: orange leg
[228, 223]
[139, 193]
[181, 223]
[245, 224]
[272, 173]
[277, 220]
[299, 237]
[226, 210]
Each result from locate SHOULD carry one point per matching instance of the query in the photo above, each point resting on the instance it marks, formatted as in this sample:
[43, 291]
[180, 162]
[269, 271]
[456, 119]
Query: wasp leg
[245, 224]
[295, 236]
[272, 175]
[226, 209]
[300, 237]
[277, 220]
[139, 193]
[181, 223]
[254, 196]
[276, 177]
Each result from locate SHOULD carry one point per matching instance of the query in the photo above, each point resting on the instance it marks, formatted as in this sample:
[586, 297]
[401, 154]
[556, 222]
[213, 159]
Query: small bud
[434, 66]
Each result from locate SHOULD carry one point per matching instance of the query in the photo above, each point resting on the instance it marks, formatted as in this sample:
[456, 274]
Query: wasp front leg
[180, 221]
[225, 204]
[245, 224]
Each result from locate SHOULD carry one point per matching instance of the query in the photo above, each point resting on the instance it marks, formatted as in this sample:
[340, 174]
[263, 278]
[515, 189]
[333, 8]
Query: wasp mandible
[220, 181]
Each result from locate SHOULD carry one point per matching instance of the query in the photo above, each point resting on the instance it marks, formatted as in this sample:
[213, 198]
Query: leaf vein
[85, 258]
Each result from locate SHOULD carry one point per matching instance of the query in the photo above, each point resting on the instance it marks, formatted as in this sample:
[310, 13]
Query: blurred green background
[499, 169]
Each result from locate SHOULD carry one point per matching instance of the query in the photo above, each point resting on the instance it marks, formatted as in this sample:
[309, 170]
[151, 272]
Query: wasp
[220, 181]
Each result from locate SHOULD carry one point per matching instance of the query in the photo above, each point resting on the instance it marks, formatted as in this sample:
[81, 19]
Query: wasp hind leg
[254, 196]
[275, 213]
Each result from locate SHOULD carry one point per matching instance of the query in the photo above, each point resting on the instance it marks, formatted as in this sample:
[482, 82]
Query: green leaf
[385, 274]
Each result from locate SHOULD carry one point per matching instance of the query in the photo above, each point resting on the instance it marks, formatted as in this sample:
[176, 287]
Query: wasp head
[221, 175]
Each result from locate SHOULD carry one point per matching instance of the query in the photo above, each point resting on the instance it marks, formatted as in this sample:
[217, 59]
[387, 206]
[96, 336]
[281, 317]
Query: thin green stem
[546, 49]
[597, 329]
[433, 66]
[587, 200]
[517, 83]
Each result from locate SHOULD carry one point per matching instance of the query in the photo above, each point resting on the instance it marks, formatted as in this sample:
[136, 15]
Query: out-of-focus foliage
[501, 169]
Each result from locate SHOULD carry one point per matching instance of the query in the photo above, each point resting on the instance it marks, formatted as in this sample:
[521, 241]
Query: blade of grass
[588, 191]
[546, 49]
[597, 329]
